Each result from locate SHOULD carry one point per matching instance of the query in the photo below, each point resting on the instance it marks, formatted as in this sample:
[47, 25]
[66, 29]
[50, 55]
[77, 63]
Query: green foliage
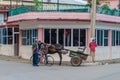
[38, 5]
[97, 2]
[106, 5]
[90, 3]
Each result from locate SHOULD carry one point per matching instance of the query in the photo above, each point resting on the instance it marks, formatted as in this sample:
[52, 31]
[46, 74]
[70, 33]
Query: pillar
[20, 41]
[40, 34]
[110, 43]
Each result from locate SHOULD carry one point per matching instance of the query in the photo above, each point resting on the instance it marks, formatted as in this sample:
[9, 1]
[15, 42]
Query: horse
[56, 48]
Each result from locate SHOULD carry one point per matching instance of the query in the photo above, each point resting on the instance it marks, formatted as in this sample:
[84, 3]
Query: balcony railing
[48, 8]
[62, 8]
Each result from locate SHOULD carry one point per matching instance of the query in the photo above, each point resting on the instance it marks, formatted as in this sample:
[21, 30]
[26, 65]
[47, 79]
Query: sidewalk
[14, 58]
[21, 60]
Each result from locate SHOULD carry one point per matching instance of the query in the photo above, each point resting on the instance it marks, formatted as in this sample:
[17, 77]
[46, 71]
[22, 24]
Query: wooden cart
[77, 56]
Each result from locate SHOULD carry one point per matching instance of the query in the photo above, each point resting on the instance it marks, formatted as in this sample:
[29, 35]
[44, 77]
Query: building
[67, 24]
[112, 3]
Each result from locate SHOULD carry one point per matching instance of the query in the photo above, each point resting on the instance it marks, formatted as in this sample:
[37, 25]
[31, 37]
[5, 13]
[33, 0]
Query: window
[48, 0]
[79, 37]
[75, 37]
[53, 36]
[105, 37]
[115, 37]
[0, 36]
[4, 37]
[29, 36]
[119, 38]
[82, 37]
[61, 36]
[102, 37]
[47, 35]
[50, 36]
[10, 33]
[66, 37]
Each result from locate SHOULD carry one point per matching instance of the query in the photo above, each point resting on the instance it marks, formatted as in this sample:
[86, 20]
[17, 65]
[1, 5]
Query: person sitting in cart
[92, 46]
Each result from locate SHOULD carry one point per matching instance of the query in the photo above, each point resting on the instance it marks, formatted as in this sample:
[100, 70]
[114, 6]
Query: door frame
[15, 33]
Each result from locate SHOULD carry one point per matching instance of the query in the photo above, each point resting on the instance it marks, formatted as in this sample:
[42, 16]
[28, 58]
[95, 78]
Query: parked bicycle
[48, 60]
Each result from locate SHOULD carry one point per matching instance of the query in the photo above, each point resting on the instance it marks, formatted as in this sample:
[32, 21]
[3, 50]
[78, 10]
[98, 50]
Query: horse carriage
[77, 56]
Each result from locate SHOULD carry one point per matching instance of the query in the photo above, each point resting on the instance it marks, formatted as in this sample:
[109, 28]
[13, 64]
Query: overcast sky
[80, 2]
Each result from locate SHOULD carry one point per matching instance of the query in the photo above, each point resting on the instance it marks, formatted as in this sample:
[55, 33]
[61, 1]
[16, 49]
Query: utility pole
[10, 4]
[22, 2]
[119, 5]
[93, 19]
[42, 5]
[57, 5]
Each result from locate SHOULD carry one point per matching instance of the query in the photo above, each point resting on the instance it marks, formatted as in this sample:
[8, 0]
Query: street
[11, 70]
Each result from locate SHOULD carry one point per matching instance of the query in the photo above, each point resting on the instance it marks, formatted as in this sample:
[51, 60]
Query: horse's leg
[60, 55]
[46, 58]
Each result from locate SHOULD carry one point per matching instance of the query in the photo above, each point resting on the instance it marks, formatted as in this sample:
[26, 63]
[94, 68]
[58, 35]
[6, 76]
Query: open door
[16, 41]
[16, 44]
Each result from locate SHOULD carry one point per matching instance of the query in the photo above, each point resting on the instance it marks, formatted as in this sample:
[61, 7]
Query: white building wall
[26, 52]
[116, 52]
[6, 50]
[102, 52]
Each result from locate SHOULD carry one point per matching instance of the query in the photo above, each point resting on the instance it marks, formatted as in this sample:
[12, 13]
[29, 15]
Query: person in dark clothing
[39, 44]
[35, 50]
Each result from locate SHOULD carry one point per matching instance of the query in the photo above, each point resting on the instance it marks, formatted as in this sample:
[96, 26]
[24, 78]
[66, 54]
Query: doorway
[16, 41]
[16, 44]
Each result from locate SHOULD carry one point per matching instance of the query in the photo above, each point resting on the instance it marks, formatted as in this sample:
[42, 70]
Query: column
[40, 34]
[110, 43]
[20, 41]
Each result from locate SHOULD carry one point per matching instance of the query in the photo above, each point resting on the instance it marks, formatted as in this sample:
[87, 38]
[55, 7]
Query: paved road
[10, 70]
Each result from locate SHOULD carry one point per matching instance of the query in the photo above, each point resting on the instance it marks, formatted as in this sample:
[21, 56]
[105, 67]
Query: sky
[82, 1]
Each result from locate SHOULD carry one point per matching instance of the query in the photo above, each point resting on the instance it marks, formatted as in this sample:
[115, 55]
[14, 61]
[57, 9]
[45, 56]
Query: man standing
[35, 50]
[92, 46]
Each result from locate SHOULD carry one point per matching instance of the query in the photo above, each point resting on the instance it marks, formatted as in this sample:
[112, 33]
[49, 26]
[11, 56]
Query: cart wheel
[76, 61]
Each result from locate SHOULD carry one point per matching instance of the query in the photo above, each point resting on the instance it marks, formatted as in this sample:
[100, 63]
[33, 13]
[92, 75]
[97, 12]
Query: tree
[90, 3]
[106, 5]
[38, 5]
